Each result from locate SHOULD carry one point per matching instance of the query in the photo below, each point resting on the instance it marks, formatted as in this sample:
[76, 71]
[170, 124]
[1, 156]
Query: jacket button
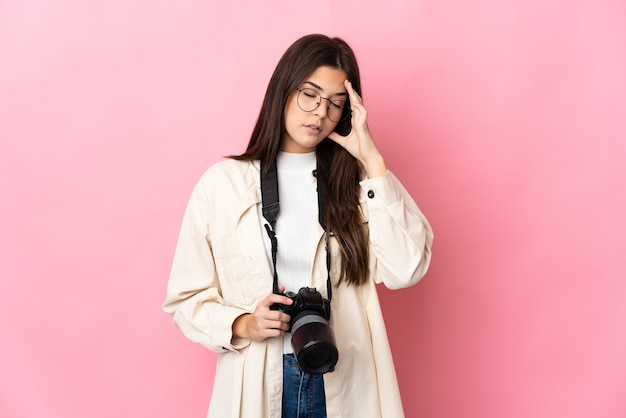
[314, 173]
[370, 194]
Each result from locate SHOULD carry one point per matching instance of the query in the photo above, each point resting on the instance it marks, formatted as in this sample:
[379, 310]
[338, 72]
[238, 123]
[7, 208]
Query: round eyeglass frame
[344, 113]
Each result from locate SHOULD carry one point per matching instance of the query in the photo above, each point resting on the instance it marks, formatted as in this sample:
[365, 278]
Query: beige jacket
[221, 271]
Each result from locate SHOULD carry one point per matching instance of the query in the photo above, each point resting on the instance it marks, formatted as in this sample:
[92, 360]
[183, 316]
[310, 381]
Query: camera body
[307, 299]
[312, 339]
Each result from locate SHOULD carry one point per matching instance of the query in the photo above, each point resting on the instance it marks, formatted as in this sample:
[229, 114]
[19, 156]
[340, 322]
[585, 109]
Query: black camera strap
[271, 208]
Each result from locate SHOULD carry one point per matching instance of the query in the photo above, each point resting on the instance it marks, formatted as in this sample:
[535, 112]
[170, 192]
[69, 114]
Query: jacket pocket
[235, 281]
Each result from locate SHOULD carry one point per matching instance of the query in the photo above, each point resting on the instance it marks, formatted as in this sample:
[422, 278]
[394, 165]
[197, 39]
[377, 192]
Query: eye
[310, 93]
[337, 105]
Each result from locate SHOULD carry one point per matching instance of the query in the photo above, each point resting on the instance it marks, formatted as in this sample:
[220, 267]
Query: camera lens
[313, 343]
[319, 358]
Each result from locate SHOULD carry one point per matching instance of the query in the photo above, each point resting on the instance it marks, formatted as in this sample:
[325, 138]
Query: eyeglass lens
[309, 100]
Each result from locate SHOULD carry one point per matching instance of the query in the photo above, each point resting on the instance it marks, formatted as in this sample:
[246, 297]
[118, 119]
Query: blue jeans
[303, 394]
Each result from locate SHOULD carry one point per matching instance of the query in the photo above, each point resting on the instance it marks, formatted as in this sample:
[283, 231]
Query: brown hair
[341, 170]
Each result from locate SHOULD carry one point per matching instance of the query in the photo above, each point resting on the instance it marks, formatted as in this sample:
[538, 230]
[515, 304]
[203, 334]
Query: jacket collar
[251, 195]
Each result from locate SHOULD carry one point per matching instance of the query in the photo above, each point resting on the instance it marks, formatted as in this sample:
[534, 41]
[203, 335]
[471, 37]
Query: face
[305, 130]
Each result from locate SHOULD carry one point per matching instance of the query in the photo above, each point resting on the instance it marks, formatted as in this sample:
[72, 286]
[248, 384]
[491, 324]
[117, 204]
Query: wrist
[375, 167]
[240, 326]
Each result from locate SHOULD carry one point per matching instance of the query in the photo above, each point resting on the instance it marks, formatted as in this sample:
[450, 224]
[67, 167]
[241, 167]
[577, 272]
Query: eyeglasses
[309, 100]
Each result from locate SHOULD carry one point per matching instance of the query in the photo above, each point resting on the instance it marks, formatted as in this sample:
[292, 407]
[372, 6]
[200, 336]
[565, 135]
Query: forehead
[327, 79]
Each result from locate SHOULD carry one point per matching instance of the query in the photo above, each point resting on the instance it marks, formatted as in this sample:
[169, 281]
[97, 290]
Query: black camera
[312, 339]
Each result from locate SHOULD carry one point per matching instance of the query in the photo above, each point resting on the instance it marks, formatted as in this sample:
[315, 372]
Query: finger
[276, 316]
[270, 333]
[273, 298]
[284, 318]
[278, 325]
[352, 94]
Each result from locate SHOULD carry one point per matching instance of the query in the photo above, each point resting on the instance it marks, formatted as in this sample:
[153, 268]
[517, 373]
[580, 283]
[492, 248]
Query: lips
[313, 127]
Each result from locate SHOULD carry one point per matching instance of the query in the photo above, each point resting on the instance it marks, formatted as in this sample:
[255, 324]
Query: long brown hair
[341, 169]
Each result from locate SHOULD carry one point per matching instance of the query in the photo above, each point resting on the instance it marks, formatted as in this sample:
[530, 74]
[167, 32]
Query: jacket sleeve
[400, 236]
[193, 292]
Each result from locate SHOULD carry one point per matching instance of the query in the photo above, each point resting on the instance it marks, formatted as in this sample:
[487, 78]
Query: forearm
[400, 236]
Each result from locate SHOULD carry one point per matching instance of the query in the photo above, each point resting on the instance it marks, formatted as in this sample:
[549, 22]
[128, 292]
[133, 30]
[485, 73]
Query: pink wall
[505, 119]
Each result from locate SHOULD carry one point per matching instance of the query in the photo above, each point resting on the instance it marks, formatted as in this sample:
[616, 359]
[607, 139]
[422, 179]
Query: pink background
[505, 120]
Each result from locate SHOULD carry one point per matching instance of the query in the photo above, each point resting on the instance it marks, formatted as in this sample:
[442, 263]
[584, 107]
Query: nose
[322, 108]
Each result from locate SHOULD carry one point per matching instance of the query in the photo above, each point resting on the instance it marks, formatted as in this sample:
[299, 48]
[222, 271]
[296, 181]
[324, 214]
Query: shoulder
[230, 172]
[230, 180]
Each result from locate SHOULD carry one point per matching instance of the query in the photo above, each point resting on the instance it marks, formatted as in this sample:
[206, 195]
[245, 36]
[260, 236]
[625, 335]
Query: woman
[226, 280]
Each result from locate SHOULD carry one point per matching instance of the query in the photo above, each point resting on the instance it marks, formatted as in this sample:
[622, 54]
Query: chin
[309, 144]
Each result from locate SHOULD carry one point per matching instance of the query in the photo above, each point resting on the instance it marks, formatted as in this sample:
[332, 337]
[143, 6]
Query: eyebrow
[321, 89]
